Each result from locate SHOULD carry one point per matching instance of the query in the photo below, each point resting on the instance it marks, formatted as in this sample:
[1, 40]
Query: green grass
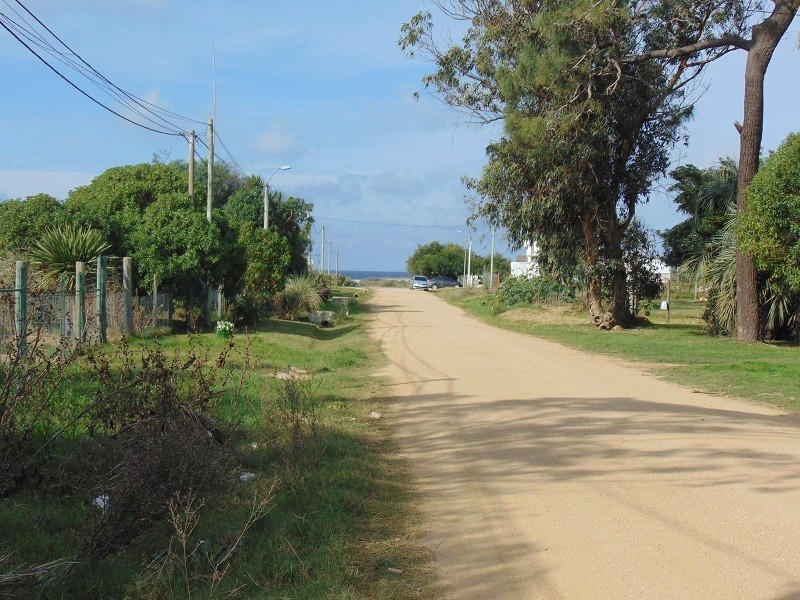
[681, 351]
[334, 533]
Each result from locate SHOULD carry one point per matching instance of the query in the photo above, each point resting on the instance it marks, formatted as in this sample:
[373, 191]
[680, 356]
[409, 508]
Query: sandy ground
[549, 473]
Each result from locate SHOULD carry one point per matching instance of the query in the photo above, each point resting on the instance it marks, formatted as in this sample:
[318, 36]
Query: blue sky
[318, 85]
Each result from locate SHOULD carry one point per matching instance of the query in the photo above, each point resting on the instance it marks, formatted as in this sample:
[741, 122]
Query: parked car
[443, 282]
[419, 282]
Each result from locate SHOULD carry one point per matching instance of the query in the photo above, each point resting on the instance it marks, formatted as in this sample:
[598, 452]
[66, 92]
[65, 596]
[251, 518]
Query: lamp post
[266, 194]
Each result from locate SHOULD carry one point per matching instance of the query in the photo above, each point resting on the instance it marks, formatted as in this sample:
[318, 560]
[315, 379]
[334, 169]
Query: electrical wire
[136, 99]
[27, 36]
[83, 92]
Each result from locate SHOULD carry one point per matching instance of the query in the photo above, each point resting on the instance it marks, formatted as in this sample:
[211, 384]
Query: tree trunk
[766, 36]
[619, 313]
[595, 288]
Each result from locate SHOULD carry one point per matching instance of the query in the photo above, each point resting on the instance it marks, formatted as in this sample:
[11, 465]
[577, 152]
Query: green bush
[301, 294]
[518, 291]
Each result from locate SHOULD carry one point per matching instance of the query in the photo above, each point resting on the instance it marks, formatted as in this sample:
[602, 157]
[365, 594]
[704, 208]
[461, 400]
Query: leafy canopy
[770, 228]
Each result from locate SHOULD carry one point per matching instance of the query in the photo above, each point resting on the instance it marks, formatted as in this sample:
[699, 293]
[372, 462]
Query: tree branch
[721, 42]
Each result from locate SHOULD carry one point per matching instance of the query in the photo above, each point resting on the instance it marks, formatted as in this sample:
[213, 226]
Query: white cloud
[279, 141]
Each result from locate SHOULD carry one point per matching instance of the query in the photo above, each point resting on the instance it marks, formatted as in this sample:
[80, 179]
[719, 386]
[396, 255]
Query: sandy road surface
[548, 473]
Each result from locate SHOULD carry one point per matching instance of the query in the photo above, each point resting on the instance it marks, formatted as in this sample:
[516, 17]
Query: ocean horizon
[374, 274]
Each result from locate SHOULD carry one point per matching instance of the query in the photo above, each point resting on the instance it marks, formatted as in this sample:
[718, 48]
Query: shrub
[518, 291]
[301, 294]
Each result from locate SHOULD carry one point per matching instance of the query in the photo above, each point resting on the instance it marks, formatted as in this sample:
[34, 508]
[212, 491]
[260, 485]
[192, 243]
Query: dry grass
[560, 314]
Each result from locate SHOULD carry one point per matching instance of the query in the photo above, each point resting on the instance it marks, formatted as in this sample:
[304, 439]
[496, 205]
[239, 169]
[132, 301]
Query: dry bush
[189, 567]
[31, 381]
[297, 407]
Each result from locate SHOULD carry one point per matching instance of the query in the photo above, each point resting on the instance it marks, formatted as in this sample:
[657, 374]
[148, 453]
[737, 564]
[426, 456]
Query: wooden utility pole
[322, 252]
[491, 264]
[191, 163]
[209, 202]
[210, 192]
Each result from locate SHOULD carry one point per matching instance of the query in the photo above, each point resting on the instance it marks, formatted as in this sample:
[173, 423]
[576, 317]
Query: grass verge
[681, 351]
[339, 528]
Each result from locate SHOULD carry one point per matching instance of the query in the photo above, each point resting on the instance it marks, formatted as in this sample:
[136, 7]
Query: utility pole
[266, 205]
[337, 263]
[191, 163]
[322, 252]
[209, 202]
[491, 263]
[469, 262]
[210, 193]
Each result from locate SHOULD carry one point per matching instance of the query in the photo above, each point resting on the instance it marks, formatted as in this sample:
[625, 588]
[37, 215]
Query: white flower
[225, 328]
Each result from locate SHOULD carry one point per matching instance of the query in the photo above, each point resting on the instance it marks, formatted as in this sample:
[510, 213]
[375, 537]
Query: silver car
[419, 282]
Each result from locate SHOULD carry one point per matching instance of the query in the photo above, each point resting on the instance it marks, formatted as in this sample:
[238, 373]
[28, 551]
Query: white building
[526, 265]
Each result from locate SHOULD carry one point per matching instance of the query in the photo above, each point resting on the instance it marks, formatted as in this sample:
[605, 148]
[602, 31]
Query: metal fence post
[102, 315]
[80, 300]
[127, 286]
[21, 306]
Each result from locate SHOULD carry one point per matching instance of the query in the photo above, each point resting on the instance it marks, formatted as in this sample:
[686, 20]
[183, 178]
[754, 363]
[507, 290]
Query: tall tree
[114, 202]
[585, 134]
[764, 36]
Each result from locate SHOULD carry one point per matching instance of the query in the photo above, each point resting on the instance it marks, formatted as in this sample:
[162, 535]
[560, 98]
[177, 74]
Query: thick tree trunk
[594, 291]
[619, 314]
[766, 36]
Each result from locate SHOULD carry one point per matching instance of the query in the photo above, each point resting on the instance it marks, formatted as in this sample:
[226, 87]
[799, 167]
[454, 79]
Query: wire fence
[53, 312]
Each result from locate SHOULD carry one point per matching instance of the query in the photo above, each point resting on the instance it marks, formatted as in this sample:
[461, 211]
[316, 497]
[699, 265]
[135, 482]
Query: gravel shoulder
[550, 473]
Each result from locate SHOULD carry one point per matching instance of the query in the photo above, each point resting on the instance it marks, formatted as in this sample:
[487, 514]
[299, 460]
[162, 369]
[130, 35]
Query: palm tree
[714, 267]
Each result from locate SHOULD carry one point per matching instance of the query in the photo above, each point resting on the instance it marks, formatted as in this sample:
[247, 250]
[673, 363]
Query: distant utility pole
[491, 264]
[337, 263]
[266, 193]
[191, 163]
[322, 252]
[469, 262]
[210, 193]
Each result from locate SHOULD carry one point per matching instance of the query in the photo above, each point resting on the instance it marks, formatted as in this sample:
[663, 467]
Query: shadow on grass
[304, 329]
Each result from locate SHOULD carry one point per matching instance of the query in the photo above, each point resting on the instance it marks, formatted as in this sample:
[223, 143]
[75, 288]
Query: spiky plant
[300, 294]
[59, 248]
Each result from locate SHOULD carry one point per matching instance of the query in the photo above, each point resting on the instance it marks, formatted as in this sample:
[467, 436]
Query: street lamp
[266, 194]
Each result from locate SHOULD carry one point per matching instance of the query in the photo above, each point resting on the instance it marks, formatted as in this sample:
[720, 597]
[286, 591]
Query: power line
[89, 96]
[143, 109]
[140, 101]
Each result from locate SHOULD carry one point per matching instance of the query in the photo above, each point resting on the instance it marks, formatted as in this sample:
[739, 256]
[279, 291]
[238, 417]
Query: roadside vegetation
[685, 350]
[249, 465]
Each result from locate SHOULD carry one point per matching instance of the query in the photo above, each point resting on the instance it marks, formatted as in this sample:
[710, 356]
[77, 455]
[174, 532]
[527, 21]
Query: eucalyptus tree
[602, 39]
[586, 133]
[734, 25]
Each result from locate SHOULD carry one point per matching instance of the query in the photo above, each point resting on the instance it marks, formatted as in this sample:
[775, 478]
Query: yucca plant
[59, 248]
[300, 294]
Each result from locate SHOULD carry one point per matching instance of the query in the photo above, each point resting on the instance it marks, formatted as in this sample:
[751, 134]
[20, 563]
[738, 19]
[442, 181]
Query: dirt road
[548, 473]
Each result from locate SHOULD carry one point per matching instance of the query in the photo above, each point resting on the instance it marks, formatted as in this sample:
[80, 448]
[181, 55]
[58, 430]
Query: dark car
[443, 282]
